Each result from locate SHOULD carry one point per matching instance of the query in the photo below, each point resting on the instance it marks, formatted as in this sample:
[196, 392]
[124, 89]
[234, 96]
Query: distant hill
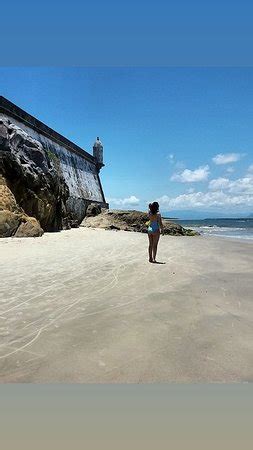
[250, 216]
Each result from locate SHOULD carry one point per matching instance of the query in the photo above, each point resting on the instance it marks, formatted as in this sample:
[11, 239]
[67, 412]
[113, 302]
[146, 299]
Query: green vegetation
[52, 156]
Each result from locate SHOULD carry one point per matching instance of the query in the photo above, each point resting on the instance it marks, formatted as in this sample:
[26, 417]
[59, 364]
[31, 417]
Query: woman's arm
[161, 224]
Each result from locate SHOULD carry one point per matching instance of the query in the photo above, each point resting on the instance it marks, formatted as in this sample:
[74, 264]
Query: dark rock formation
[130, 221]
[35, 181]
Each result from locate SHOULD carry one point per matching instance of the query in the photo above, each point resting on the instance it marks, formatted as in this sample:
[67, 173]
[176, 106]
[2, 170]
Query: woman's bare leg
[156, 238]
[150, 248]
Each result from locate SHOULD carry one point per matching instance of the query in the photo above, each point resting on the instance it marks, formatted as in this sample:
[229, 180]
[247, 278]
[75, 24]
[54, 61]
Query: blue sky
[182, 136]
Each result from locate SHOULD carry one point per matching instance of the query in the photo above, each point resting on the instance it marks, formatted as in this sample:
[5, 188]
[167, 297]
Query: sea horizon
[237, 228]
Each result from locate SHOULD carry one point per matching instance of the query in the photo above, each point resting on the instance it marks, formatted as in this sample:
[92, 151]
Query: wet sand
[86, 306]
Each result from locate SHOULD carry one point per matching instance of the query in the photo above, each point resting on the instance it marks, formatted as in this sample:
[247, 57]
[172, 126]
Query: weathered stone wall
[30, 184]
[77, 167]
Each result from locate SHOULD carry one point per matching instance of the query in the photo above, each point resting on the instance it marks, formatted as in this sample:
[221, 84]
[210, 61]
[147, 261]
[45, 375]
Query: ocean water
[229, 228]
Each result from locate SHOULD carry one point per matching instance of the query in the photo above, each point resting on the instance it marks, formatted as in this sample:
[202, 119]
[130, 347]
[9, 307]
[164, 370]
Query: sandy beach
[86, 306]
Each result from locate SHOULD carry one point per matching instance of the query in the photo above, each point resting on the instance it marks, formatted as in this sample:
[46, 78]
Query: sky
[180, 136]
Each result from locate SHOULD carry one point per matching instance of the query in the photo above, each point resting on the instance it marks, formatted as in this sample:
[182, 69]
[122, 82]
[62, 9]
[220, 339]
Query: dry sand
[86, 306]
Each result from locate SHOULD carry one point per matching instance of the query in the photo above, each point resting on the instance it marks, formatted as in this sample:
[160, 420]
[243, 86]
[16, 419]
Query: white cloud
[191, 176]
[240, 186]
[230, 170]
[171, 158]
[219, 183]
[129, 201]
[226, 158]
[223, 193]
[250, 168]
[217, 199]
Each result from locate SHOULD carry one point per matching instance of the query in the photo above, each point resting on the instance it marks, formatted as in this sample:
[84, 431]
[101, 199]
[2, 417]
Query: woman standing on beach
[155, 228]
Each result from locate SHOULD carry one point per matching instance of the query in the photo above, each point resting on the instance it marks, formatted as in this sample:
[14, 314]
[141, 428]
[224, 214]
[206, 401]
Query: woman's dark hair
[154, 207]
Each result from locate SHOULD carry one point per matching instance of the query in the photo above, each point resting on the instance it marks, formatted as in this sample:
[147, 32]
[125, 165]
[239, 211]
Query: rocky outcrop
[13, 220]
[129, 221]
[33, 190]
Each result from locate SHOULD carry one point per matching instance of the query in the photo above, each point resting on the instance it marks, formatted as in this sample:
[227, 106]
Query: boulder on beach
[130, 221]
[29, 227]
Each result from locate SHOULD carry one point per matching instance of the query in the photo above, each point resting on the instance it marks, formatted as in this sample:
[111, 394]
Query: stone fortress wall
[79, 169]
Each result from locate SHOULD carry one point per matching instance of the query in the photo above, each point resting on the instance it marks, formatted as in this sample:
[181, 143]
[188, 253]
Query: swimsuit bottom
[153, 227]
